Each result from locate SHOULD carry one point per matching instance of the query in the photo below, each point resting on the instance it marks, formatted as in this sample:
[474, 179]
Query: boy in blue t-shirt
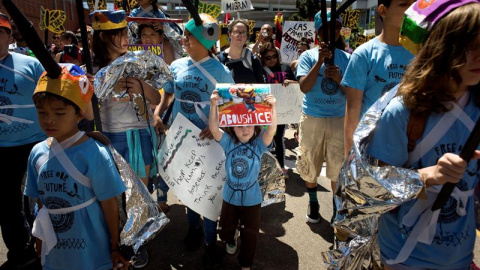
[375, 67]
[75, 180]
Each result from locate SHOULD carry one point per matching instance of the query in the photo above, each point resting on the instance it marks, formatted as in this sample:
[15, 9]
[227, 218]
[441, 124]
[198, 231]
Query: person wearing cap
[19, 132]
[375, 67]
[441, 86]
[321, 123]
[130, 131]
[74, 179]
[195, 78]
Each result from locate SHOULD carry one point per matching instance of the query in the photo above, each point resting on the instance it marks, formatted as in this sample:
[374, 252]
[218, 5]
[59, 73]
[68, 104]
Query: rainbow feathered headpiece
[421, 16]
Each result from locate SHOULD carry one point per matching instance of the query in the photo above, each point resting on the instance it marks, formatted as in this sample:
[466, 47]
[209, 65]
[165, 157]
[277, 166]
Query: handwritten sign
[155, 48]
[210, 9]
[193, 168]
[293, 32]
[52, 20]
[243, 104]
[229, 6]
[289, 102]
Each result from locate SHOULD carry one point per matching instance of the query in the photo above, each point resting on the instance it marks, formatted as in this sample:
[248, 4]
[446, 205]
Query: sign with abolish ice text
[229, 6]
[293, 32]
[193, 168]
[155, 48]
[289, 102]
[243, 105]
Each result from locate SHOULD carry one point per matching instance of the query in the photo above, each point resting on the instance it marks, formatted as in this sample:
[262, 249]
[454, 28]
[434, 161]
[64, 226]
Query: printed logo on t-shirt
[329, 86]
[61, 222]
[14, 127]
[240, 168]
[189, 108]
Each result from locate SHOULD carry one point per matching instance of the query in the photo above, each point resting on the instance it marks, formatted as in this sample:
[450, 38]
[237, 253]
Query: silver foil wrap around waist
[271, 180]
[365, 191]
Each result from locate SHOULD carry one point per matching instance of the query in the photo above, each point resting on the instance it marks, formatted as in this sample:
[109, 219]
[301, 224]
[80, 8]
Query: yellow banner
[350, 19]
[210, 9]
[52, 20]
[102, 5]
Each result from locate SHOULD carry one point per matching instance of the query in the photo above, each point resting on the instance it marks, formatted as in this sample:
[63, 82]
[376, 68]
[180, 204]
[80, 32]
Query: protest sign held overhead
[52, 20]
[193, 168]
[243, 105]
[293, 32]
[229, 6]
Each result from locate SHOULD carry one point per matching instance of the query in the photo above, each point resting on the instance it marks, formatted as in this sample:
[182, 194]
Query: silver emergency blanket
[143, 65]
[271, 180]
[143, 220]
[364, 191]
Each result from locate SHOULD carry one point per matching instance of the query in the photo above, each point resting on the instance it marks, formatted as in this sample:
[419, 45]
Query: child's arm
[110, 211]
[135, 85]
[271, 129]
[213, 117]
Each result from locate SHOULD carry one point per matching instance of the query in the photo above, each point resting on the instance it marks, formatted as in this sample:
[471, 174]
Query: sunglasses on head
[270, 57]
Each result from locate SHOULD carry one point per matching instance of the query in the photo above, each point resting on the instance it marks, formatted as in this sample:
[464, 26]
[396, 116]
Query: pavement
[286, 240]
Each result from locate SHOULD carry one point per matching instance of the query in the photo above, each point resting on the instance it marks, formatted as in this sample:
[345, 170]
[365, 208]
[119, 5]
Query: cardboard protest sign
[243, 105]
[52, 20]
[155, 48]
[210, 9]
[289, 102]
[229, 6]
[293, 32]
[193, 168]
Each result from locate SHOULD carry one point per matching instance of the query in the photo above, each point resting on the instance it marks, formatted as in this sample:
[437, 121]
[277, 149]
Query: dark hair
[305, 42]
[100, 46]
[70, 35]
[256, 131]
[39, 98]
[386, 3]
[235, 22]
[268, 48]
[145, 25]
[339, 43]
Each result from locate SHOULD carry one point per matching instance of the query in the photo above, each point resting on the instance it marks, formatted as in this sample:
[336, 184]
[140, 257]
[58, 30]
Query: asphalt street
[286, 240]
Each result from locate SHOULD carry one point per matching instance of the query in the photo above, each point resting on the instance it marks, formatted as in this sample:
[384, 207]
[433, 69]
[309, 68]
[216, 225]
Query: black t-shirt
[279, 74]
[241, 73]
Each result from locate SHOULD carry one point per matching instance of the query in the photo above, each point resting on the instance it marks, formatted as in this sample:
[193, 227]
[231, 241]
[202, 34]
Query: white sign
[293, 32]
[289, 102]
[193, 168]
[229, 6]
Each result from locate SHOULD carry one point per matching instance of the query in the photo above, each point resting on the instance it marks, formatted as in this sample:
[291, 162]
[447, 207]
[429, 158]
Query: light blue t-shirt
[83, 236]
[452, 246]
[326, 99]
[190, 84]
[18, 78]
[375, 68]
[242, 165]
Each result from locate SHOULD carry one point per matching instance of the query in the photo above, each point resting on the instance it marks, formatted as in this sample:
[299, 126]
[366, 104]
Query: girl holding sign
[242, 198]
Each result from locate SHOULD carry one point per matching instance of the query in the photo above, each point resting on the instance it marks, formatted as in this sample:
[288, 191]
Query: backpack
[246, 58]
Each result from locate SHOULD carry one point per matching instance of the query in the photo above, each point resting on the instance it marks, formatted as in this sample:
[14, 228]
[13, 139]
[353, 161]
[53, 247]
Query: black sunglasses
[270, 57]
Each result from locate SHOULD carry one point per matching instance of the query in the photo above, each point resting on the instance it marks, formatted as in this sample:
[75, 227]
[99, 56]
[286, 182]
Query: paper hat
[4, 22]
[420, 17]
[318, 19]
[207, 33]
[108, 20]
[72, 84]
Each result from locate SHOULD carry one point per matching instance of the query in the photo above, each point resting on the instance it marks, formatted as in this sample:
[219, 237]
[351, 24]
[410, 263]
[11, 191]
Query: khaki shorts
[321, 140]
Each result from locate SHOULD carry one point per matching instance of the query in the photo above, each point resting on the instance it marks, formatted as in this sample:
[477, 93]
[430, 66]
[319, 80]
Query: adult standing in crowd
[321, 123]
[276, 72]
[71, 52]
[19, 132]
[245, 67]
[375, 67]
[56, 45]
[264, 37]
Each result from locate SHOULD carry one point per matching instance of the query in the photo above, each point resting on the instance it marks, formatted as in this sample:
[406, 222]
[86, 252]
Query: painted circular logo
[191, 96]
[83, 84]
[329, 86]
[3, 102]
[240, 168]
[62, 222]
[449, 214]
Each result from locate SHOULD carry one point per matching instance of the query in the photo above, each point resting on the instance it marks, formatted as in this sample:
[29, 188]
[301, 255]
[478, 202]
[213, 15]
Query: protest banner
[243, 105]
[193, 168]
[155, 48]
[293, 32]
[52, 20]
[229, 6]
[289, 102]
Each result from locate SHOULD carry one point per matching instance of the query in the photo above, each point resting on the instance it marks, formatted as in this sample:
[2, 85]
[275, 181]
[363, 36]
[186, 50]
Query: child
[147, 9]
[242, 198]
[441, 83]
[75, 180]
[149, 35]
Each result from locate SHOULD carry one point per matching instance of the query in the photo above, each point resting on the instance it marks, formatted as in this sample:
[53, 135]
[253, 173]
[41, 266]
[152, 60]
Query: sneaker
[313, 215]
[211, 258]
[193, 240]
[232, 248]
[141, 259]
